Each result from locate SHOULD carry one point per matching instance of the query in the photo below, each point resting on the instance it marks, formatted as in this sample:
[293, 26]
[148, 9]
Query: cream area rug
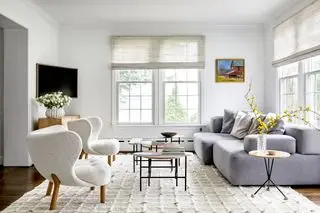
[207, 192]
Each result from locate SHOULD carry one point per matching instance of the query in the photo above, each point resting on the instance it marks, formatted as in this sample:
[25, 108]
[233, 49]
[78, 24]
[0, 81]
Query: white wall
[42, 48]
[89, 51]
[1, 96]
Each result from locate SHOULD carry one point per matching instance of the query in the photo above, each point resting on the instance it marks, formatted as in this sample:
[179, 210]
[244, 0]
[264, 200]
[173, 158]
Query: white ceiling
[102, 12]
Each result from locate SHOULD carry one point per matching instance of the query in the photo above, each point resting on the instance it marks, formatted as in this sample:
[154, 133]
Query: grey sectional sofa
[231, 157]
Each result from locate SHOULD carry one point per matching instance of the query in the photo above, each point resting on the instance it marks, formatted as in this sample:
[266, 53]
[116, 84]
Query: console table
[45, 122]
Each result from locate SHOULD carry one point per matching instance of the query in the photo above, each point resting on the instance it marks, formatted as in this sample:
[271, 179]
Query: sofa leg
[92, 188]
[102, 194]
[49, 189]
[113, 157]
[56, 188]
[81, 154]
[110, 160]
[86, 155]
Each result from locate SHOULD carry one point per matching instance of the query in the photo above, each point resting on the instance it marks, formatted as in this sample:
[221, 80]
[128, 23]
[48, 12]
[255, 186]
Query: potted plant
[54, 102]
[267, 123]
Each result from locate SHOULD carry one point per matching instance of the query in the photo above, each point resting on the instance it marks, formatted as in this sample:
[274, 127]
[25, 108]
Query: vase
[55, 112]
[262, 143]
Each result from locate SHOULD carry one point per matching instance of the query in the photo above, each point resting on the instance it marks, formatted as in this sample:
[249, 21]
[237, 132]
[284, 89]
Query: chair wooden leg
[92, 188]
[56, 187]
[113, 157]
[86, 155]
[102, 194]
[49, 189]
[110, 160]
[81, 154]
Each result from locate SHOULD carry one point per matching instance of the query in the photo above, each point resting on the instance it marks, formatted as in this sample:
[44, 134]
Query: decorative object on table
[168, 134]
[172, 149]
[268, 158]
[230, 70]
[54, 102]
[274, 123]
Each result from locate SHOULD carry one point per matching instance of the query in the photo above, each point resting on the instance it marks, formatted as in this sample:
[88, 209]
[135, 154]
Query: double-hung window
[157, 79]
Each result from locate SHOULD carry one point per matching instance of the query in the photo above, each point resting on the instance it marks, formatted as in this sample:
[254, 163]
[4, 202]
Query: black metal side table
[158, 156]
[269, 156]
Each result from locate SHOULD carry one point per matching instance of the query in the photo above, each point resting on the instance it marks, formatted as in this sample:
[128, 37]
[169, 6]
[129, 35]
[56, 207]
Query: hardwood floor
[15, 181]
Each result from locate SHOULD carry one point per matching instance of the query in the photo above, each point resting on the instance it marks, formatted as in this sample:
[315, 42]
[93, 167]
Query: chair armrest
[284, 143]
[215, 125]
[308, 138]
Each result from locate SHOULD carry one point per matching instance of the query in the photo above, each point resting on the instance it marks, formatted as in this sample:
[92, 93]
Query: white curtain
[158, 51]
[298, 37]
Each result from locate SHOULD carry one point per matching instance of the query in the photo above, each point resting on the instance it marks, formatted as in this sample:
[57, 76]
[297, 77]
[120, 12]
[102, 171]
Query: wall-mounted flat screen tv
[54, 79]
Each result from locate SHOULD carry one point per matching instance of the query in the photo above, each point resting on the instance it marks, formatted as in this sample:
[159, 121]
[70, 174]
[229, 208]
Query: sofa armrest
[215, 125]
[284, 143]
[308, 138]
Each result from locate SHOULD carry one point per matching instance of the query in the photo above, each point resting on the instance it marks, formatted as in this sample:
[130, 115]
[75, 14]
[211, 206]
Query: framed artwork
[230, 70]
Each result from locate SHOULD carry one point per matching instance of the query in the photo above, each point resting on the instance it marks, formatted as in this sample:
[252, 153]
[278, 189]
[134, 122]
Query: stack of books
[173, 149]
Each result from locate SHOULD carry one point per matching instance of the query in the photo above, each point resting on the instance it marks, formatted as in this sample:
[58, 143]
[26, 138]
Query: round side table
[268, 162]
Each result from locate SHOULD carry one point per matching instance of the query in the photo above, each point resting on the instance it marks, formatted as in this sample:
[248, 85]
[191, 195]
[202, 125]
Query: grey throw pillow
[242, 124]
[278, 129]
[254, 125]
[228, 121]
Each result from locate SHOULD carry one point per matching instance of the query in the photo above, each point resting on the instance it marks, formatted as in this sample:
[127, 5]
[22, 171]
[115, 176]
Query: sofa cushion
[279, 128]
[284, 143]
[242, 124]
[228, 121]
[215, 125]
[204, 141]
[254, 125]
[307, 138]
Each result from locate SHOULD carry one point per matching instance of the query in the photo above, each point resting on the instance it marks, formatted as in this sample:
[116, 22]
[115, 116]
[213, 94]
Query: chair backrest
[96, 123]
[83, 128]
[54, 150]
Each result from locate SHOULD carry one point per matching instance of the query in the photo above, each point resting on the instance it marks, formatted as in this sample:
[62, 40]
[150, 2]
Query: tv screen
[54, 79]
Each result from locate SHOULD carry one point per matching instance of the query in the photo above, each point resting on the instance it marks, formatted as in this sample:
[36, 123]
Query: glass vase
[262, 143]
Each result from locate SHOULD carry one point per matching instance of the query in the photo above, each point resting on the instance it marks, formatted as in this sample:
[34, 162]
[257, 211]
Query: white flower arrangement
[54, 100]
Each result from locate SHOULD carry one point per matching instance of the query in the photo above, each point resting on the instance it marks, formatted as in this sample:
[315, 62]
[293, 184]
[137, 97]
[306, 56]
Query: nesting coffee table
[268, 162]
[150, 156]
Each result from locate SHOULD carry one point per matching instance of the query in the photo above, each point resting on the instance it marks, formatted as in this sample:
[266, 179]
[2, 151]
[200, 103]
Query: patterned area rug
[207, 191]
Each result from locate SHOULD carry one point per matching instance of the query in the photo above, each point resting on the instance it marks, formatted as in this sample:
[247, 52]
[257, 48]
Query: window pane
[181, 75]
[169, 75]
[170, 89]
[124, 116]
[288, 70]
[146, 102]
[124, 102]
[134, 89]
[135, 116]
[134, 102]
[182, 102]
[124, 88]
[193, 116]
[193, 102]
[134, 75]
[192, 75]
[182, 89]
[146, 116]
[193, 88]
[146, 89]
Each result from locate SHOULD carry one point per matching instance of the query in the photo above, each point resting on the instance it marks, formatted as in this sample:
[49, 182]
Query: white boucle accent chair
[55, 151]
[89, 129]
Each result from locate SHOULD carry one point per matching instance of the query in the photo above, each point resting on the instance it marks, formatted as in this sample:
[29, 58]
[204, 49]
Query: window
[135, 96]
[312, 84]
[157, 79]
[288, 85]
[181, 88]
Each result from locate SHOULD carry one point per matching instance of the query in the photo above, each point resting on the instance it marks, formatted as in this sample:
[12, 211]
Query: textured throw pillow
[242, 124]
[254, 125]
[228, 121]
[278, 129]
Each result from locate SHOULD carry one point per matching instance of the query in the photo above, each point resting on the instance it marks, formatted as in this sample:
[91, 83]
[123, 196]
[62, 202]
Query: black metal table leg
[176, 172]
[269, 168]
[149, 171]
[185, 173]
[134, 157]
[140, 174]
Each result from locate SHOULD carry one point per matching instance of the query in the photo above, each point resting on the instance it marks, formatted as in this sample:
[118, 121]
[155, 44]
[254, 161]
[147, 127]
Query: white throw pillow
[241, 125]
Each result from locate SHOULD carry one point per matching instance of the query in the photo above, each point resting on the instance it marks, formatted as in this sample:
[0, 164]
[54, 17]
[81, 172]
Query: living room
[178, 54]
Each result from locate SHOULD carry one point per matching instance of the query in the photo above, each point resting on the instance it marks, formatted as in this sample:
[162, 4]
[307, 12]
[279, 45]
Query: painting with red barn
[230, 70]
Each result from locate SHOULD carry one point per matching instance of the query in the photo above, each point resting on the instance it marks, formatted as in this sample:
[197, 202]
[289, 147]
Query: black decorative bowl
[168, 134]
